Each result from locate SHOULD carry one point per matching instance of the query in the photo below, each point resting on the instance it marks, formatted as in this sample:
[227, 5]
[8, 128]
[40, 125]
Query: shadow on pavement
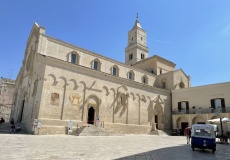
[183, 152]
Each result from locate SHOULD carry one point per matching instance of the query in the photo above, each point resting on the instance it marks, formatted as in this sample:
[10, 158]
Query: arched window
[163, 83]
[144, 79]
[74, 58]
[115, 71]
[96, 65]
[130, 56]
[131, 75]
[142, 56]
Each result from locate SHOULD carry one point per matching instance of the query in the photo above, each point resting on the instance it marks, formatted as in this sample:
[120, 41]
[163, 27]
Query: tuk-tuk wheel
[193, 148]
[213, 150]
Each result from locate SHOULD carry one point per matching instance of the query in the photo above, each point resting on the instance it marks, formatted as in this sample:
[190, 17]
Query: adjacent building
[197, 105]
[7, 89]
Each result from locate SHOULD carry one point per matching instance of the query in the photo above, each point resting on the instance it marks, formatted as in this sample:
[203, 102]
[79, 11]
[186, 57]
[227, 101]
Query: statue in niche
[54, 99]
[75, 99]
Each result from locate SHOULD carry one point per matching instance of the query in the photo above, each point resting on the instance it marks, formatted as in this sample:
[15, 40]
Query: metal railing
[201, 111]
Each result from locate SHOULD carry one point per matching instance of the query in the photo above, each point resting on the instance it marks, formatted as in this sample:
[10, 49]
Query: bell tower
[137, 49]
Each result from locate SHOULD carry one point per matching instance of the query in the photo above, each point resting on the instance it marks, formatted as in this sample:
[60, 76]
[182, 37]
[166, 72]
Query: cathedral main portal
[91, 113]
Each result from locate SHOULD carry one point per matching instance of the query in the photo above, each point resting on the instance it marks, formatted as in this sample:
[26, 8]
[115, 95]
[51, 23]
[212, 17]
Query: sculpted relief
[54, 99]
[75, 99]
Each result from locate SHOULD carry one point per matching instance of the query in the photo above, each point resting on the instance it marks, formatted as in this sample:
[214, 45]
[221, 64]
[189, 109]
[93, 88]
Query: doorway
[156, 121]
[91, 114]
[183, 126]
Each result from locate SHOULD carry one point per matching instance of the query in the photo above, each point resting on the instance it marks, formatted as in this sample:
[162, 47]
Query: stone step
[92, 130]
[6, 127]
[158, 132]
[58, 122]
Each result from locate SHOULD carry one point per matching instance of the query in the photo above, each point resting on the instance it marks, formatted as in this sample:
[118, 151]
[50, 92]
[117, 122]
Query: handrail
[201, 111]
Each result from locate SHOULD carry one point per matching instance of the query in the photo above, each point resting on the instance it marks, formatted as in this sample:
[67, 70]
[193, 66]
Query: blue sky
[195, 34]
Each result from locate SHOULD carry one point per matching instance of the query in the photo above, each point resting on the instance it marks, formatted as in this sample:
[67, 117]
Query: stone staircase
[158, 132]
[91, 130]
[6, 127]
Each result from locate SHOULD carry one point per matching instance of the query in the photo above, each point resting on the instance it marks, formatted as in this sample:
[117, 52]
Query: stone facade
[60, 82]
[7, 88]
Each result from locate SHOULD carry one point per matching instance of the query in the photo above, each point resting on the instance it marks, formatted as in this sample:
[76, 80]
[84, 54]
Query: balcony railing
[201, 111]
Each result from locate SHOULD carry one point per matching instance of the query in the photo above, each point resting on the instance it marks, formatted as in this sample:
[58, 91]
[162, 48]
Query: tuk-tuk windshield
[202, 132]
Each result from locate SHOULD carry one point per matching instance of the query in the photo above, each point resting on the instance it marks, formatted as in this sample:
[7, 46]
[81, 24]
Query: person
[18, 128]
[2, 120]
[187, 133]
[12, 121]
[12, 128]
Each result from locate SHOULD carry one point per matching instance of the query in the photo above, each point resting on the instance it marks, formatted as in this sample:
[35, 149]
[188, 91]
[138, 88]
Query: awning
[217, 120]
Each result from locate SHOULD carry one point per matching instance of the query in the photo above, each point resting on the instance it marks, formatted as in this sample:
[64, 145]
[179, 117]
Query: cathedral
[59, 82]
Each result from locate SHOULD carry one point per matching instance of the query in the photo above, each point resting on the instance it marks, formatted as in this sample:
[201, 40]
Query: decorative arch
[180, 120]
[92, 112]
[133, 96]
[55, 82]
[75, 86]
[198, 120]
[106, 89]
[113, 90]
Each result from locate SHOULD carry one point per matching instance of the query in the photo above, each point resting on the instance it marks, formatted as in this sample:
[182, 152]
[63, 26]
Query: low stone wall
[128, 128]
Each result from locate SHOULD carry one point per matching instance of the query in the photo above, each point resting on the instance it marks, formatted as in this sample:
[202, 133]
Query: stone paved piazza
[65, 147]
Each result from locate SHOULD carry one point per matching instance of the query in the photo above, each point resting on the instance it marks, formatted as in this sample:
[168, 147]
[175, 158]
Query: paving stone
[61, 147]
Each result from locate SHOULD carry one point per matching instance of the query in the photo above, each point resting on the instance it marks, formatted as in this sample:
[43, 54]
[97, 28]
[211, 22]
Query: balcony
[201, 111]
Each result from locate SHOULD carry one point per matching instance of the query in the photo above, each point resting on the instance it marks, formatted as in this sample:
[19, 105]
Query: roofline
[204, 86]
[154, 56]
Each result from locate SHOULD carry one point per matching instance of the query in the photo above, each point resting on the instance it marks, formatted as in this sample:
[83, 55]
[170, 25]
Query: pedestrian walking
[187, 133]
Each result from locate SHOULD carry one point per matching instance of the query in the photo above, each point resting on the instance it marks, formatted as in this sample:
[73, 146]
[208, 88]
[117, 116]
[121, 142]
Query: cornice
[47, 60]
[137, 45]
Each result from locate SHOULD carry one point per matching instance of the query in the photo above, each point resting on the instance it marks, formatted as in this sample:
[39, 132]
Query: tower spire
[137, 17]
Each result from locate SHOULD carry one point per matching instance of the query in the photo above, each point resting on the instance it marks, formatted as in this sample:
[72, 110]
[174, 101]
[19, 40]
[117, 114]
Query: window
[73, 58]
[218, 103]
[163, 83]
[144, 80]
[131, 75]
[130, 56]
[183, 106]
[141, 38]
[160, 71]
[142, 56]
[115, 71]
[95, 65]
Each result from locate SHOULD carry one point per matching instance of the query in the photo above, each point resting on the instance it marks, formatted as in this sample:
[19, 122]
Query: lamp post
[221, 127]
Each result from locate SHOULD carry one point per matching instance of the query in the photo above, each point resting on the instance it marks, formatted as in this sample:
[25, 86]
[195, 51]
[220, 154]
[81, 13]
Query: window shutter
[187, 106]
[223, 105]
[212, 103]
[179, 105]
